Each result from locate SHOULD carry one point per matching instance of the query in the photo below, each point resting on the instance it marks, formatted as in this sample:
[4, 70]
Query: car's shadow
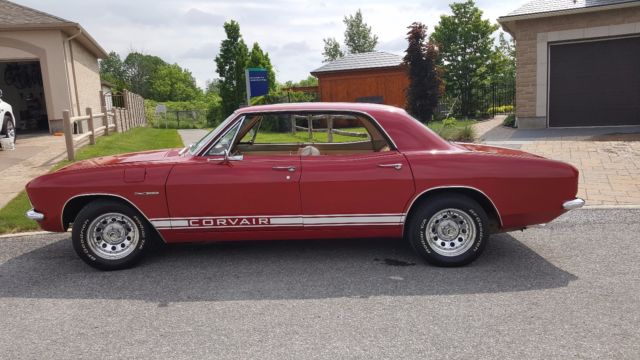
[277, 270]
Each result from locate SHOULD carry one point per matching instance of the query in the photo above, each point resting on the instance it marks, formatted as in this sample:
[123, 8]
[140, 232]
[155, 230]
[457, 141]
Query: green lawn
[461, 131]
[12, 217]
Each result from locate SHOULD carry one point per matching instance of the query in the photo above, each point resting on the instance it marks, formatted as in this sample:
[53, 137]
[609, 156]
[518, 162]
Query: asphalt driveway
[569, 290]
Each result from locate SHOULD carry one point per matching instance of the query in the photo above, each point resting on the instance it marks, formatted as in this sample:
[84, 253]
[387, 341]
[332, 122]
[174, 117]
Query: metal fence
[483, 100]
[182, 119]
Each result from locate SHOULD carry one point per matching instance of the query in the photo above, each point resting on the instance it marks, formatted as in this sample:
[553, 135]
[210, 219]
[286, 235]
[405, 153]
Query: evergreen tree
[231, 63]
[424, 78]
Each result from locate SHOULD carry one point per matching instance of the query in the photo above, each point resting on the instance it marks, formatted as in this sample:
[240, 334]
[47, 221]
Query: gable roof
[544, 8]
[362, 61]
[19, 17]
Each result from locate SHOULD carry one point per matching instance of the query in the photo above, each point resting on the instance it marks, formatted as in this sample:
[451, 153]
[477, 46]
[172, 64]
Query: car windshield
[195, 148]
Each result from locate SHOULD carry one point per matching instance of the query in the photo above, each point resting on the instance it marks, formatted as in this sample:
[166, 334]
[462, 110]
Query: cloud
[198, 17]
[189, 32]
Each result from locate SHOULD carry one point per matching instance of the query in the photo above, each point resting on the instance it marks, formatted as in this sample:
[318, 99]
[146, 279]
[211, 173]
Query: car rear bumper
[573, 204]
[34, 215]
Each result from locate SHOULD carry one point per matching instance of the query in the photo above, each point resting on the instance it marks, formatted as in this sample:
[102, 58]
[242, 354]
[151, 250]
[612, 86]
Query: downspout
[73, 70]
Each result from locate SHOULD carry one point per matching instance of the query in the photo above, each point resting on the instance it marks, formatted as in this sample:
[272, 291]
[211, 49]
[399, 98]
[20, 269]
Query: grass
[462, 130]
[12, 217]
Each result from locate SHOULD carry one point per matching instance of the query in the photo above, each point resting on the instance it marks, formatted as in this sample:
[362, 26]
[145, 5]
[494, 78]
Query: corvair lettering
[215, 222]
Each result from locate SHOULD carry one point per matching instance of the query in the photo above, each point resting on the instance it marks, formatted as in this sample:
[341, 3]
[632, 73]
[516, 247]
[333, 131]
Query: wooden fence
[83, 130]
[330, 130]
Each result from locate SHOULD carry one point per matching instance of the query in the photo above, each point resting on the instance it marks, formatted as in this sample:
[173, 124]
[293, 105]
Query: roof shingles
[369, 60]
[12, 14]
[550, 6]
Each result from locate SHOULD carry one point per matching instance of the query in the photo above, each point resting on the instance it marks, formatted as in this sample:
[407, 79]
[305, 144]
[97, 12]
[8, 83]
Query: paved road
[571, 290]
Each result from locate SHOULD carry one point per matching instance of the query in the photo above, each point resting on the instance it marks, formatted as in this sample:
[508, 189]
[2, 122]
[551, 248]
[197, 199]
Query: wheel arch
[476, 194]
[73, 205]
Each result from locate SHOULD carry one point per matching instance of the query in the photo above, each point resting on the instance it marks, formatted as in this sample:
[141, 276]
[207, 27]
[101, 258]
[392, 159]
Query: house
[373, 77]
[47, 65]
[578, 62]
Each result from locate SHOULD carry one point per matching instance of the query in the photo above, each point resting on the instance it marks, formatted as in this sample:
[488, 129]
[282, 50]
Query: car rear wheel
[109, 235]
[448, 230]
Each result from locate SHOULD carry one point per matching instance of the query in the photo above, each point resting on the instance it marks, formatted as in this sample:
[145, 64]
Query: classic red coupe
[304, 171]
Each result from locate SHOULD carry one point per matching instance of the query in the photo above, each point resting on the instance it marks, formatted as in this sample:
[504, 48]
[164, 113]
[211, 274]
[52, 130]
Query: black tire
[6, 124]
[462, 224]
[127, 224]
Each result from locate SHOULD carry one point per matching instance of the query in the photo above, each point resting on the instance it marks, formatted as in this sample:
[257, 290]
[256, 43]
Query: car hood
[145, 157]
[496, 150]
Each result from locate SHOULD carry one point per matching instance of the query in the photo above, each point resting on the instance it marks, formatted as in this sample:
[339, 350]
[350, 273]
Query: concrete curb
[29, 233]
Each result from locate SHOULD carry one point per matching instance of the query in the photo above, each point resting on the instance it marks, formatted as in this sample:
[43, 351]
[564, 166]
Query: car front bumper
[573, 204]
[34, 215]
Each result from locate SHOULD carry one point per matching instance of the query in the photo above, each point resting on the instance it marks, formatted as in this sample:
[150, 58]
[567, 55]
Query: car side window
[225, 142]
[309, 134]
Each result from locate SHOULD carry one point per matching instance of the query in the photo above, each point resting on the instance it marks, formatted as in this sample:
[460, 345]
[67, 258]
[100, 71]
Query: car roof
[321, 106]
[404, 131]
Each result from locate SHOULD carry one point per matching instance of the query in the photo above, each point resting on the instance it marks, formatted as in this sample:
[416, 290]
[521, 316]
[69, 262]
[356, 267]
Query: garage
[22, 87]
[47, 65]
[577, 63]
[595, 83]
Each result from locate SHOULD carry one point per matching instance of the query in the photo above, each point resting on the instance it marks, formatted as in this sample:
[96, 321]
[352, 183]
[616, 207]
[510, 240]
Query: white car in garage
[8, 128]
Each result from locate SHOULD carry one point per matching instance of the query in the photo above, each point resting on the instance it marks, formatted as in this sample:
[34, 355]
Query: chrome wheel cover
[450, 232]
[112, 236]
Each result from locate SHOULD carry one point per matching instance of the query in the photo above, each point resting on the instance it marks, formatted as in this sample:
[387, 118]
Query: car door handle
[395, 166]
[285, 168]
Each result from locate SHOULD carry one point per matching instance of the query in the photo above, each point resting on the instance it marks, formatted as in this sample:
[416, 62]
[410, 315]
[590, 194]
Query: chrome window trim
[243, 114]
[109, 195]
[454, 187]
[239, 121]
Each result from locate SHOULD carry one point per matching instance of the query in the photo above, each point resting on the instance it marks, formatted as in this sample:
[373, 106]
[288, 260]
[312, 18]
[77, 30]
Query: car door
[355, 190]
[354, 182]
[258, 192]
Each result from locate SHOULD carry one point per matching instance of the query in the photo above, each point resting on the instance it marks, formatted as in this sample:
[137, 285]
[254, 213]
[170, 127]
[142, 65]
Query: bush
[449, 122]
[504, 109]
[466, 134]
[510, 121]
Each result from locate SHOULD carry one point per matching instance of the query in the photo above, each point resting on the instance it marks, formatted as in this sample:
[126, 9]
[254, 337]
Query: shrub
[466, 134]
[449, 122]
[510, 121]
[504, 109]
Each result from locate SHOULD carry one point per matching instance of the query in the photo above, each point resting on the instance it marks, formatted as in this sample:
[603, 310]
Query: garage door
[595, 83]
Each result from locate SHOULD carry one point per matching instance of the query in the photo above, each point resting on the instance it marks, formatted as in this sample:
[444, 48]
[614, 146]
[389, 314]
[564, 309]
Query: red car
[304, 171]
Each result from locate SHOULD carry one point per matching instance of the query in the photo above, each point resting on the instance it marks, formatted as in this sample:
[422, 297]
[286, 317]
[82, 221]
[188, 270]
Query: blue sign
[257, 82]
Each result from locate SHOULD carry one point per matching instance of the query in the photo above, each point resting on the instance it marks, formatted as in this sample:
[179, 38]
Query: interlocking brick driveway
[608, 159]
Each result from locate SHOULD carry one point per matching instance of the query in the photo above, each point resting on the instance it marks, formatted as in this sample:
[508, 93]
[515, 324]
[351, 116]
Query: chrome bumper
[34, 215]
[573, 204]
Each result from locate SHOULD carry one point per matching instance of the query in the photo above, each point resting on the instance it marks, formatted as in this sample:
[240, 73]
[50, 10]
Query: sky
[291, 31]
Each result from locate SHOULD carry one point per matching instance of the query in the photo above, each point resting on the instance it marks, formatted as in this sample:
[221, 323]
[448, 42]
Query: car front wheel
[109, 235]
[448, 230]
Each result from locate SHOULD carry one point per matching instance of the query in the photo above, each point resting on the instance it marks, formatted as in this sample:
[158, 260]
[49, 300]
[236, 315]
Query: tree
[332, 50]
[465, 44]
[173, 83]
[260, 59]
[140, 70]
[502, 68]
[112, 70]
[231, 62]
[424, 77]
[358, 38]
